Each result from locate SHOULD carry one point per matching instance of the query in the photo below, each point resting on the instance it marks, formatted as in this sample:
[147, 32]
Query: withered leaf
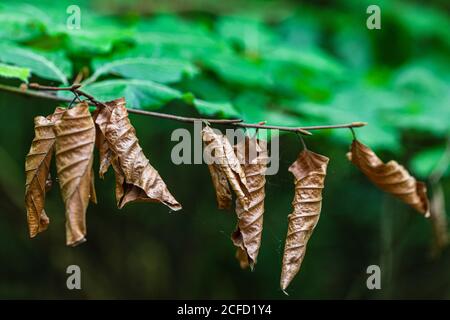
[75, 138]
[252, 154]
[390, 177]
[309, 171]
[136, 179]
[105, 153]
[219, 155]
[220, 183]
[242, 257]
[37, 169]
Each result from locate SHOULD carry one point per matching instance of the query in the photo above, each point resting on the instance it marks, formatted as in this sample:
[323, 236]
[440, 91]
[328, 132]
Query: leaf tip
[77, 242]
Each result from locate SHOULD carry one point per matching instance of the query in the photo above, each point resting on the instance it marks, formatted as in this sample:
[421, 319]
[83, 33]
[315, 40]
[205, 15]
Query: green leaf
[145, 94]
[427, 160]
[312, 59]
[97, 34]
[161, 70]
[255, 107]
[252, 35]
[21, 22]
[207, 87]
[238, 70]
[426, 100]
[219, 109]
[8, 71]
[173, 24]
[94, 42]
[53, 66]
[171, 36]
[360, 103]
[139, 94]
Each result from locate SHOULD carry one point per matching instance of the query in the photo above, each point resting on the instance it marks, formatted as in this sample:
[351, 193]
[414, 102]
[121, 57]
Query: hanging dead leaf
[105, 153]
[252, 154]
[220, 183]
[390, 177]
[242, 257]
[107, 157]
[136, 179]
[37, 169]
[75, 138]
[309, 171]
[220, 155]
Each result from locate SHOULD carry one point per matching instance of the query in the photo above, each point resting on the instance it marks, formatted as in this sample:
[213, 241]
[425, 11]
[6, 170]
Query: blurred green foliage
[286, 62]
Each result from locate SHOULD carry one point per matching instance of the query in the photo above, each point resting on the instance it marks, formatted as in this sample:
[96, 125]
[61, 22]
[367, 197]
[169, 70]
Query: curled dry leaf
[390, 177]
[252, 154]
[223, 163]
[75, 138]
[37, 169]
[220, 183]
[242, 257]
[309, 171]
[136, 179]
[105, 153]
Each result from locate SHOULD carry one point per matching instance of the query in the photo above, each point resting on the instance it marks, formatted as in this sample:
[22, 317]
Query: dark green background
[395, 78]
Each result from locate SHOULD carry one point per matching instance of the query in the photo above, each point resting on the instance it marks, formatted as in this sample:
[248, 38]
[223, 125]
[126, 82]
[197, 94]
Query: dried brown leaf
[390, 177]
[37, 169]
[252, 154]
[75, 138]
[136, 179]
[220, 183]
[105, 153]
[220, 155]
[242, 257]
[309, 171]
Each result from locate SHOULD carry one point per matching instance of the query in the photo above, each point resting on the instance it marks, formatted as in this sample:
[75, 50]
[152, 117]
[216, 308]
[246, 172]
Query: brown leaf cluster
[243, 167]
[390, 177]
[72, 134]
[309, 171]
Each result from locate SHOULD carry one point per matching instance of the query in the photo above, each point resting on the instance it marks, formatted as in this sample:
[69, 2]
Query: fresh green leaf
[8, 71]
[53, 66]
[160, 70]
[238, 70]
[139, 94]
[426, 101]
[145, 94]
[21, 22]
[314, 60]
[251, 35]
[219, 109]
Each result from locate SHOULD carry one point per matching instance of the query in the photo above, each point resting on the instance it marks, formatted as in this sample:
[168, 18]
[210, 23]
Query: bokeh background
[287, 62]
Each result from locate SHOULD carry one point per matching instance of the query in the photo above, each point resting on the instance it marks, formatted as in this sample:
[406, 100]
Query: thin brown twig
[75, 89]
[130, 110]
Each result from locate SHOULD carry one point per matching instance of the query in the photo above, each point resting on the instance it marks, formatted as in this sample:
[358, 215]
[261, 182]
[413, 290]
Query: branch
[75, 89]
[296, 129]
